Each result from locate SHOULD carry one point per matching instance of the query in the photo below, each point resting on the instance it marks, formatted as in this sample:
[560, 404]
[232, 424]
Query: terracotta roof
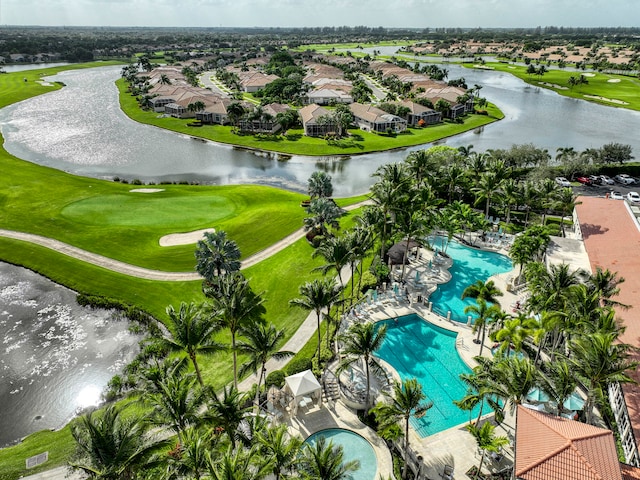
[555, 448]
[612, 240]
[629, 472]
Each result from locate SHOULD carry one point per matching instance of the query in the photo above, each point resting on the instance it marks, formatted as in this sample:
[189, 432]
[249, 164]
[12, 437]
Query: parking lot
[602, 190]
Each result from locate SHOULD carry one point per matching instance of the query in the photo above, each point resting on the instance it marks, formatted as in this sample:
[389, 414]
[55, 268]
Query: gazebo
[303, 387]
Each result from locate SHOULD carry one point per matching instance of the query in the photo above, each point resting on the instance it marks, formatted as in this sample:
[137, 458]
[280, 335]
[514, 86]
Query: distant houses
[317, 121]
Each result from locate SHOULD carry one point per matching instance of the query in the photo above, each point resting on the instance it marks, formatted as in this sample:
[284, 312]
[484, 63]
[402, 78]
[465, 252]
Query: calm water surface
[80, 129]
[55, 357]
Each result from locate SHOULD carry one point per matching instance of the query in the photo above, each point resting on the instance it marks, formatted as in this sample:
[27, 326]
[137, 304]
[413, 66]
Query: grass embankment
[603, 88]
[296, 143]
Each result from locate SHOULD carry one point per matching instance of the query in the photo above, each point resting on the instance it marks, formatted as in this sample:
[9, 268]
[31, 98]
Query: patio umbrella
[417, 276]
[574, 402]
[537, 395]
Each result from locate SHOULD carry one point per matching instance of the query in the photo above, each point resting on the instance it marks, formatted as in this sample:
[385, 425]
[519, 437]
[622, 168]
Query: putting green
[157, 210]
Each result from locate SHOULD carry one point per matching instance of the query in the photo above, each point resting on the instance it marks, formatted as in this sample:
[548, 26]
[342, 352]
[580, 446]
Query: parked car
[563, 182]
[615, 195]
[595, 179]
[606, 180]
[624, 179]
[633, 197]
[584, 181]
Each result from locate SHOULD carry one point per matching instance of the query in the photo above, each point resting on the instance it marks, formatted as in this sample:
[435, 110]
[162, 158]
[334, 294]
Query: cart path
[145, 273]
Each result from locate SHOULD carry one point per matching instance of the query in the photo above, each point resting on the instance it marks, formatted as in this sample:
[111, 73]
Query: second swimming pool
[417, 348]
[469, 265]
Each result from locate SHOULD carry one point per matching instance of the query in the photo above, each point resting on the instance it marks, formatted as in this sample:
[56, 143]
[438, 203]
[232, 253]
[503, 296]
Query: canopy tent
[396, 252]
[301, 386]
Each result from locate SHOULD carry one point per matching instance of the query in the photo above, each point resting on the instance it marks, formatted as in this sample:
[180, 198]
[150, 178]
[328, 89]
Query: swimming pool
[417, 348]
[355, 447]
[469, 265]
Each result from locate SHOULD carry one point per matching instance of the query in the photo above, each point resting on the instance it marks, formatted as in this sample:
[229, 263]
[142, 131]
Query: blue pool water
[469, 265]
[417, 348]
[355, 447]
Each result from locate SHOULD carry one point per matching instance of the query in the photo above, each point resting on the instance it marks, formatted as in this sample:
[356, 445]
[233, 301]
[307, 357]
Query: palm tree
[325, 461]
[487, 186]
[547, 189]
[190, 458]
[237, 307]
[484, 314]
[236, 464]
[261, 344]
[319, 185]
[512, 334]
[227, 412]
[600, 360]
[486, 291]
[337, 254]
[323, 213]
[559, 383]
[486, 440]
[361, 342]
[407, 399]
[565, 201]
[318, 295]
[509, 193]
[360, 241]
[177, 403]
[282, 449]
[112, 445]
[235, 111]
[189, 332]
[217, 254]
[605, 284]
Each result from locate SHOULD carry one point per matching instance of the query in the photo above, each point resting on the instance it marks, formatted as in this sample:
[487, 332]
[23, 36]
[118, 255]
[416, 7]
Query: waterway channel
[81, 129]
[56, 356]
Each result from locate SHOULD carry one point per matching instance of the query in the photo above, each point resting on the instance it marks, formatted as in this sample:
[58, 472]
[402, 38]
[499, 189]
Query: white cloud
[391, 13]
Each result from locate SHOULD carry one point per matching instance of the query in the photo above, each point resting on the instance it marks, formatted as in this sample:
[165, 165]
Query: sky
[317, 13]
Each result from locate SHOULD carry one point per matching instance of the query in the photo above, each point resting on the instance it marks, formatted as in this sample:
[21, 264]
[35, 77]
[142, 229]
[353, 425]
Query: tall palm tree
[177, 403]
[509, 193]
[412, 223]
[336, 253]
[228, 411]
[282, 449]
[559, 383]
[112, 445]
[260, 345]
[361, 342]
[190, 332]
[237, 464]
[486, 188]
[361, 241]
[512, 335]
[486, 291]
[237, 307]
[217, 254]
[407, 400]
[323, 213]
[384, 196]
[484, 314]
[190, 460]
[600, 360]
[547, 189]
[319, 185]
[316, 296]
[565, 201]
[486, 440]
[605, 284]
[325, 461]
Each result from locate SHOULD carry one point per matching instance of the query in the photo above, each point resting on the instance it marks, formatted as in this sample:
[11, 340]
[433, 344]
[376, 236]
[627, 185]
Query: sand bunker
[613, 80]
[588, 74]
[553, 85]
[44, 84]
[187, 238]
[483, 67]
[611, 100]
[147, 190]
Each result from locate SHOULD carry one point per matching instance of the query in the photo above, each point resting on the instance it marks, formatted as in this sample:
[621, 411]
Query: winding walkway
[145, 273]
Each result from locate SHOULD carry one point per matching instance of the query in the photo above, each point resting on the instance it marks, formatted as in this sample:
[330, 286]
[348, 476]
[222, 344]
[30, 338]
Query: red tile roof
[555, 448]
[612, 240]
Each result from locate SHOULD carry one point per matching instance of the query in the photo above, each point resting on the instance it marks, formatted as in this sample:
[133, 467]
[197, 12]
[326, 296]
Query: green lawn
[608, 86]
[296, 143]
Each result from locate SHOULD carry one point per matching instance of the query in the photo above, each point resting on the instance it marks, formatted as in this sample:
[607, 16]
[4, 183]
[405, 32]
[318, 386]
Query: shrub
[275, 378]
[368, 281]
[380, 270]
[298, 365]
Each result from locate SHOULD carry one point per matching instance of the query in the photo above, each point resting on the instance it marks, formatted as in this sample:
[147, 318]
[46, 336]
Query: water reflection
[81, 129]
[55, 357]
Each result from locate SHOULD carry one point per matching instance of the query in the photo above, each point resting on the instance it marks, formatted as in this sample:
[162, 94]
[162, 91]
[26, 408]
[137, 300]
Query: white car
[633, 197]
[563, 182]
[616, 196]
[625, 179]
[606, 180]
